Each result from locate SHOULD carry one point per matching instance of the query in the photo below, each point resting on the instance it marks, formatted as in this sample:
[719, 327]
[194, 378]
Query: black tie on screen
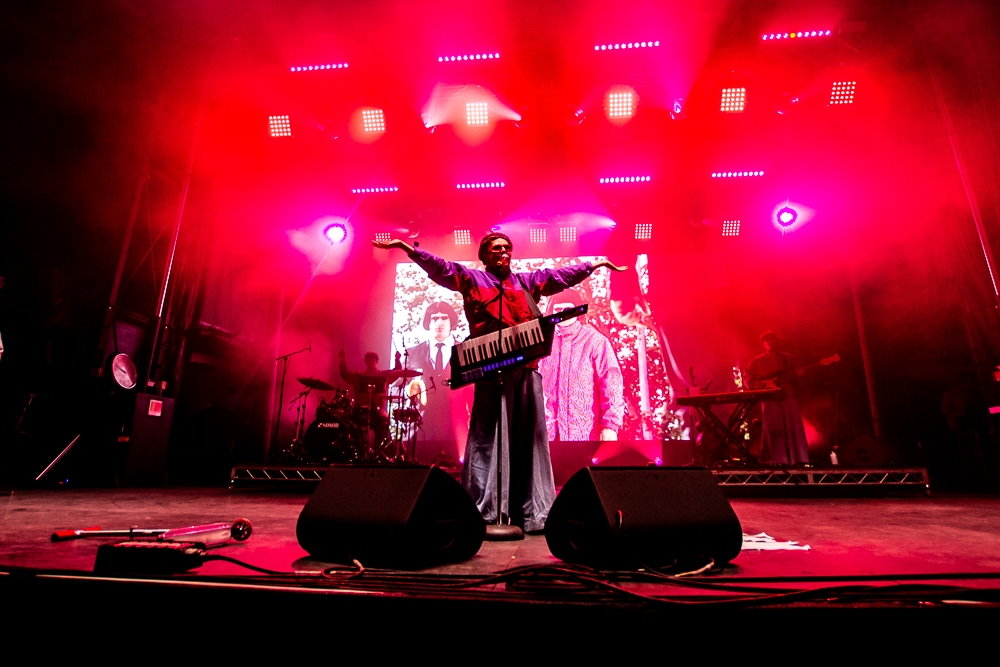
[439, 359]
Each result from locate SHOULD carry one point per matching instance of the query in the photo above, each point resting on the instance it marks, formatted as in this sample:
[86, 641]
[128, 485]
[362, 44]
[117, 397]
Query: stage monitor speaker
[387, 516]
[626, 518]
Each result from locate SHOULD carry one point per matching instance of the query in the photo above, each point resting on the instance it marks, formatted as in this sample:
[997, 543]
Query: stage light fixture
[316, 68]
[373, 120]
[567, 234]
[842, 92]
[626, 179]
[795, 35]
[463, 237]
[734, 100]
[480, 186]
[737, 174]
[626, 45]
[621, 105]
[477, 113]
[643, 231]
[368, 191]
[786, 216]
[730, 227]
[336, 233]
[280, 126]
[467, 57]
[536, 235]
[383, 237]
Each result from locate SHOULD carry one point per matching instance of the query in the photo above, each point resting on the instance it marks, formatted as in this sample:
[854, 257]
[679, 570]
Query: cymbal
[316, 383]
[398, 373]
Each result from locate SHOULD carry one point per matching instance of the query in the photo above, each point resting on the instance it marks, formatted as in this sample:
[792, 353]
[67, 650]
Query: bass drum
[331, 439]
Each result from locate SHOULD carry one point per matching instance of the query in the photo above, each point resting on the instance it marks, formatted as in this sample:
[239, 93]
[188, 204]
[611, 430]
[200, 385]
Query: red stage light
[467, 57]
[643, 231]
[336, 233]
[316, 68]
[626, 179]
[365, 191]
[842, 92]
[536, 235]
[479, 186]
[463, 237]
[787, 216]
[567, 234]
[383, 237]
[626, 45]
[734, 100]
[737, 174]
[795, 35]
[730, 227]
[621, 105]
[280, 126]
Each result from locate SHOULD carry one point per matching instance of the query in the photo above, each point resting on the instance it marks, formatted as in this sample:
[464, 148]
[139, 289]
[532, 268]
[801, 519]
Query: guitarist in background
[784, 435]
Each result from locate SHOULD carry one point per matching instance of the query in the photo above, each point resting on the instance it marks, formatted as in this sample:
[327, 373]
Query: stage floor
[847, 537]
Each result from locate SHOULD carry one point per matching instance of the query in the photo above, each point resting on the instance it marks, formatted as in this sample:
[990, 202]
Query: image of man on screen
[581, 379]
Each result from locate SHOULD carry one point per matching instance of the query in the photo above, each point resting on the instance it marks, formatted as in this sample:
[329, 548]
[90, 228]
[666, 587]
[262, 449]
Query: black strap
[532, 306]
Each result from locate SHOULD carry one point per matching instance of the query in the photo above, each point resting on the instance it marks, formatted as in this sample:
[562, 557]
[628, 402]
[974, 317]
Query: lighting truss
[469, 56]
[734, 100]
[795, 35]
[477, 186]
[536, 235]
[567, 234]
[626, 45]
[621, 105]
[367, 191]
[477, 113]
[316, 68]
[626, 179]
[737, 174]
[842, 92]
[643, 231]
[730, 227]
[463, 237]
[373, 120]
[279, 126]
[383, 237]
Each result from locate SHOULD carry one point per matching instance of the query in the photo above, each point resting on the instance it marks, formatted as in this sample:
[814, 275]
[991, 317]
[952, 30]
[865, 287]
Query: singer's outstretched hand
[394, 243]
[608, 264]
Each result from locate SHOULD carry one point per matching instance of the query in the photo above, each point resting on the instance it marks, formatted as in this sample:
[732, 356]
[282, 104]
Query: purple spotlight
[336, 233]
[787, 216]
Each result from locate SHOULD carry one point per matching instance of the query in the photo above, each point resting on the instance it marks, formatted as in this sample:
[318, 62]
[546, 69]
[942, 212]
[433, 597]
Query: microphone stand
[500, 531]
[281, 392]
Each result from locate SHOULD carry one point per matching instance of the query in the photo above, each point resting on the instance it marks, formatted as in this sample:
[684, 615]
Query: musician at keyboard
[497, 298]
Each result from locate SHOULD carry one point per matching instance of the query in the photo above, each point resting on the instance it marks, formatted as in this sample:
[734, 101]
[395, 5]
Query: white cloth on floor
[764, 542]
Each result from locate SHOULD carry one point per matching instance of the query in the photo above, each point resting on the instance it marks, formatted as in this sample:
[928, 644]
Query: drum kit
[343, 431]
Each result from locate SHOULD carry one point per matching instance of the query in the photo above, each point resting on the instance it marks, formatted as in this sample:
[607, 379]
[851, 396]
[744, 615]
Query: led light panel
[280, 126]
[536, 235]
[730, 227]
[469, 56]
[366, 191]
[734, 100]
[463, 237]
[373, 120]
[478, 186]
[737, 174]
[842, 92]
[383, 237]
[567, 234]
[476, 113]
[626, 179]
[621, 105]
[626, 45]
[795, 35]
[316, 68]
[643, 231]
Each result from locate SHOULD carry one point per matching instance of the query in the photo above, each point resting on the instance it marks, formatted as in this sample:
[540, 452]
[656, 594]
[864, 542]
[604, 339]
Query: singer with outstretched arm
[497, 298]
